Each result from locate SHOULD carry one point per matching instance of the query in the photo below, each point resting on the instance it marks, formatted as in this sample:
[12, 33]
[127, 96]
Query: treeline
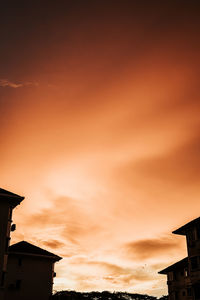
[72, 295]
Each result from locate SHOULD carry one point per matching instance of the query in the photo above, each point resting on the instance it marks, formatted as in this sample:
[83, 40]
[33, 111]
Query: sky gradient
[100, 131]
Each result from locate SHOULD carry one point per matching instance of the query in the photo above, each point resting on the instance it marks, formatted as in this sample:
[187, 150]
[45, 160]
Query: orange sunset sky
[100, 131]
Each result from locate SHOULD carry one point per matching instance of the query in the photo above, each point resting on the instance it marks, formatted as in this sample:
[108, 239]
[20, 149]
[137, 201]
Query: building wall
[193, 247]
[182, 287]
[193, 241]
[5, 223]
[29, 277]
[178, 283]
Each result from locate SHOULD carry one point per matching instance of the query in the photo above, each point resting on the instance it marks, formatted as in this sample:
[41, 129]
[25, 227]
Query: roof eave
[183, 262]
[53, 257]
[183, 229]
[162, 272]
[179, 231]
[13, 200]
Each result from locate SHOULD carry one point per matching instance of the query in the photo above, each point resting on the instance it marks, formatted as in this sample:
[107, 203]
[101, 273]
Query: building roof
[25, 248]
[12, 198]
[178, 265]
[182, 230]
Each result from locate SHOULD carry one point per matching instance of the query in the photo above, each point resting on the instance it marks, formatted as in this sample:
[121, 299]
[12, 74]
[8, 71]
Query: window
[174, 275]
[11, 286]
[197, 291]
[183, 293]
[19, 261]
[186, 272]
[191, 236]
[189, 292]
[195, 234]
[198, 231]
[176, 295]
[18, 284]
[171, 276]
[172, 295]
[194, 262]
[3, 278]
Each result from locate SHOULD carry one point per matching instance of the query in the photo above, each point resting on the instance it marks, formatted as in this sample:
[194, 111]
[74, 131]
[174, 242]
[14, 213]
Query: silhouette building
[26, 271]
[30, 272]
[183, 277]
[8, 201]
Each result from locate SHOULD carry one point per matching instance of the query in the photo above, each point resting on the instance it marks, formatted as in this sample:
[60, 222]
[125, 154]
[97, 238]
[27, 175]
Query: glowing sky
[99, 130]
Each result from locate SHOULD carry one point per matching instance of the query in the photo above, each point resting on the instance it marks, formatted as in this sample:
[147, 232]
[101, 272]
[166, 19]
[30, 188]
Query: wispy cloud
[15, 85]
[78, 225]
[115, 273]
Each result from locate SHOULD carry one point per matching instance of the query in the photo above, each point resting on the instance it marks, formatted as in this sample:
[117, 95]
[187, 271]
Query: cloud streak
[16, 85]
[114, 273]
[54, 244]
[148, 248]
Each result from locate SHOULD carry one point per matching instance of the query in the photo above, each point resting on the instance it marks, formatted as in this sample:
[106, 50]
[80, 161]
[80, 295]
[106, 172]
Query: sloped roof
[12, 198]
[182, 229]
[178, 265]
[26, 248]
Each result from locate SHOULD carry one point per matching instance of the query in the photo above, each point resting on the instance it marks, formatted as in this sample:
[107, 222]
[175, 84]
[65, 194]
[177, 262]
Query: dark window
[198, 231]
[197, 291]
[20, 262]
[11, 286]
[194, 263]
[18, 284]
[177, 295]
[189, 291]
[3, 278]
[183, 293]
[192, 236]
[171, 276]
[175, 275]
[182, 273]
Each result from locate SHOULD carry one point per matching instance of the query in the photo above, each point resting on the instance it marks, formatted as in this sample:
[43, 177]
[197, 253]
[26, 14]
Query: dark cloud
[145, 249]
[54, 244]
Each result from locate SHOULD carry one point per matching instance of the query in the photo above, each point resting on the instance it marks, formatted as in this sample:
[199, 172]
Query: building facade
[183, 277]
[8, 201]
[26, 271]
[30, 272]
